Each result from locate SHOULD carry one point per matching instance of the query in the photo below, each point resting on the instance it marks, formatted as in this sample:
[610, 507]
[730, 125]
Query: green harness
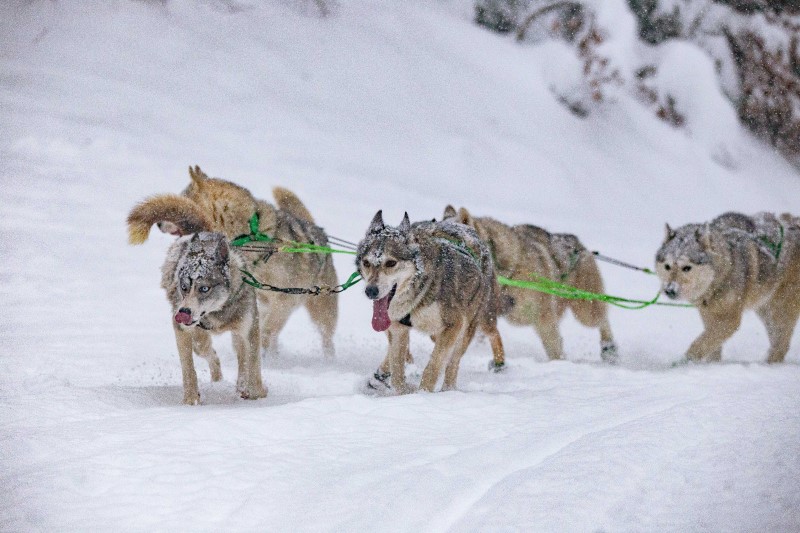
[537, 283]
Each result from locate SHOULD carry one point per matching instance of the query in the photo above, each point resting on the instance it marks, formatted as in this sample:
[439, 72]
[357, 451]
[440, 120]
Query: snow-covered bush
[754, 46]
[500, 15]
[769, 100]
[655, 26]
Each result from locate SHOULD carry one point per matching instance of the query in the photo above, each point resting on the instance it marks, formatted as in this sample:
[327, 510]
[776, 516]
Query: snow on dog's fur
[436, 277]
[731, 264]
[226, 207]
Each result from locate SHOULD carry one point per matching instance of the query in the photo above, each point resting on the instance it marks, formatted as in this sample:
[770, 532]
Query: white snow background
[394, 105]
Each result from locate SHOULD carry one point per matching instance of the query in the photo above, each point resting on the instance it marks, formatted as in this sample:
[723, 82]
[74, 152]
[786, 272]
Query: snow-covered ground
[393, 105]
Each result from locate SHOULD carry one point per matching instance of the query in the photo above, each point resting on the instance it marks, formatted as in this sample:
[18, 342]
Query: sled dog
[524, 250]
[437, 277]
[227, 208]
[735, 262]
[205, 289]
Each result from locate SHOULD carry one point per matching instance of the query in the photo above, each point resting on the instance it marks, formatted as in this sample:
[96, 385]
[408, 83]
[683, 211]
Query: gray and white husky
[437, 277]
[207, 294]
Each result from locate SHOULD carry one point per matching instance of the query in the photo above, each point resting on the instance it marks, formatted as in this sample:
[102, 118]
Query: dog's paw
[379, 383]
[191, 398]
[681, 362]
[254, 392]
[496, 367]
[404, 388]
[609, 353]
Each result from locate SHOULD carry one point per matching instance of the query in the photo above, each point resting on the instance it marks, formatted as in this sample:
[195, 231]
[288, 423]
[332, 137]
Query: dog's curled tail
[183, 215]
[289, 202]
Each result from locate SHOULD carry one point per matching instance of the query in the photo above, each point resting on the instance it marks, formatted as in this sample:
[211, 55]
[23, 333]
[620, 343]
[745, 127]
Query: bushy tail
[289, 202]
[185, 215]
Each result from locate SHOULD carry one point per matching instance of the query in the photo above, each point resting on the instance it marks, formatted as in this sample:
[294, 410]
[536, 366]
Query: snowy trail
[406, 106]
[452, 461]
[663, 463]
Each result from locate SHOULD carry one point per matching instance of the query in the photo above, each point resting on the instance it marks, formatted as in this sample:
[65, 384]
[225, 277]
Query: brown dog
[522, 250]
[731, 264]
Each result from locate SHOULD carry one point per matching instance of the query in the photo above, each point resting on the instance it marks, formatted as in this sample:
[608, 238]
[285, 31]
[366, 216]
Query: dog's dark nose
[371, 291]
[185, 310]
[671, 292]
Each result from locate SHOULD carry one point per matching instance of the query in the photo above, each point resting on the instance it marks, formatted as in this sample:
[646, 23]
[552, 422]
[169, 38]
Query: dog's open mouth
[380, 311]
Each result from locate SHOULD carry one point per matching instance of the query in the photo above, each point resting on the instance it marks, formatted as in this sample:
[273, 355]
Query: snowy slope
[393, 105]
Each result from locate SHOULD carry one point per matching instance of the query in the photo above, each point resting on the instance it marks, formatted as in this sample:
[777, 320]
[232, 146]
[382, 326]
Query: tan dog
[732, 264]
[228, 208]
[436, 277]
[522, 250]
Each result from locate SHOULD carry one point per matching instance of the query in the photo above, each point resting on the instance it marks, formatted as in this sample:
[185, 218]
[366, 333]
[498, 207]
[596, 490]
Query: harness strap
[315, 290]
[573, 262]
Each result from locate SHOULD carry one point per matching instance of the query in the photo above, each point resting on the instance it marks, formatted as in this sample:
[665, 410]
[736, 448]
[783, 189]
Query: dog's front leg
[398, 336]
[386, 366]
[183, 338]
[719, 328]
[246, 344]
[203, 347]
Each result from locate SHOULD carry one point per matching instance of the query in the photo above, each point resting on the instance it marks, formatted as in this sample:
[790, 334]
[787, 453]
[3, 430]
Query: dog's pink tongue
[183, 318]
[380, 314]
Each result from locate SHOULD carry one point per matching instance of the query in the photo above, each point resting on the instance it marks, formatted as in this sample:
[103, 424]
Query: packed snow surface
[400, 106]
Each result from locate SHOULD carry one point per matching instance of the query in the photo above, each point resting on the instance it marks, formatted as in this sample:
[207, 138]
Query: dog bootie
[608, 352]
[380, 382]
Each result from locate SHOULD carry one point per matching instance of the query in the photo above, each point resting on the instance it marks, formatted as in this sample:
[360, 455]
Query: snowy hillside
[401, 106]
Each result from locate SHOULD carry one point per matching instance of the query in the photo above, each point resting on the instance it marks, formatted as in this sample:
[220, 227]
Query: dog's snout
[185, 310]
[671, 290]
[371, 291]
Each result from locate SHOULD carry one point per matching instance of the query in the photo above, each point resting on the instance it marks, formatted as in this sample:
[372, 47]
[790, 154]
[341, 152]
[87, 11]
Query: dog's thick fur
[227, 208]
[522, 250]
[732, 264]
[436, 277]
[207, 295]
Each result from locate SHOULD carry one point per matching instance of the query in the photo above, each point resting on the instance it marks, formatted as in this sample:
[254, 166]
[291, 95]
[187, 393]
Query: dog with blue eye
[731, 264]
[204, 286]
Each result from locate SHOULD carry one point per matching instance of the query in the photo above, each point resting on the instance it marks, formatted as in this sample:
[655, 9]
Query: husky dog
[227, 208]
[524, 250]
[731, 264]
[203, 284]
[436, 277]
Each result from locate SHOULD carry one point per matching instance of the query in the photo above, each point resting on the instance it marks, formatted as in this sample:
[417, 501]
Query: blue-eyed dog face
[203, 277]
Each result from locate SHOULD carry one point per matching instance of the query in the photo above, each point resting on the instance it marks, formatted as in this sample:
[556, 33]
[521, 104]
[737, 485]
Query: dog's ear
[197, 175]
[222, 252]
[704, 236]
[669, 233]
[464, 217]
[377, 225]
[405, 224]
[449, 212]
